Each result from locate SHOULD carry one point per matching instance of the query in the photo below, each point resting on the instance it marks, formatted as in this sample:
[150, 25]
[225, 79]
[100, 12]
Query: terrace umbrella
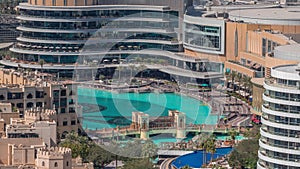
[70, 47]
[57, 47]
[51, 47]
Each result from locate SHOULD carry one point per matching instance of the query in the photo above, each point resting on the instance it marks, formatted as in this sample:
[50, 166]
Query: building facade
[279, 142]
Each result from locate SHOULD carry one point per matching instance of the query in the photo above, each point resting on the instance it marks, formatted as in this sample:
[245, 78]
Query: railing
[281, 121]
[281, 158]
[282, 110]
[282, 98]
[270, 143]
[285, 134]
[272, 82]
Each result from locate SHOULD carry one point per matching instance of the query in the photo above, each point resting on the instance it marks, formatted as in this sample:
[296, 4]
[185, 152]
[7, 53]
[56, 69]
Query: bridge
[143, 126]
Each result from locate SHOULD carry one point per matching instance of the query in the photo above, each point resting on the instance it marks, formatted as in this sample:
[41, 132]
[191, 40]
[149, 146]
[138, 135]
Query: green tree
[245, 154]
[149, 149]
[138, 164]
[79, 145]
[99, 156]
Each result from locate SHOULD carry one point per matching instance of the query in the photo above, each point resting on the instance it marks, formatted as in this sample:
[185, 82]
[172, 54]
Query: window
[43, 163]
[67, 163]
[55, 164]
[264, 47]
[65, 123]
[73, 122]
[63, 93]
[65, 2]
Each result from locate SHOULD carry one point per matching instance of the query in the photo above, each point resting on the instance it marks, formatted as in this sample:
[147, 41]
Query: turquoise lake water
[119, 106]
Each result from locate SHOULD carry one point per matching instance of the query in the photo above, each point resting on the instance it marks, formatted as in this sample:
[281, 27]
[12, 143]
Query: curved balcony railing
[271, 142]
[270, 154]
[287, 110]
[285, 134]
[281, 121]
[288, 98]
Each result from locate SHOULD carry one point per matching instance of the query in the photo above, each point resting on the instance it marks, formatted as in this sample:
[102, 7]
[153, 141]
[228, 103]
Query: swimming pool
[114, 109]
[195, 159]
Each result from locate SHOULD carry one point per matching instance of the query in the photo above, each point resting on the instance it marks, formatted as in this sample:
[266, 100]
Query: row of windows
[282, 156]
[100, 35]
[283, 96]
[203, 41]
[282, 107]
[268, 46]
[11, 96]
[281, 131]
[100, 13]
[203, 28]
[65, 123]
[278, 166]
[97, 25]
[283, 120]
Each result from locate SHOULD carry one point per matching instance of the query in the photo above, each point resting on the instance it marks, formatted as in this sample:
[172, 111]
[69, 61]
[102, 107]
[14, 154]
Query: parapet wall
[54, 152]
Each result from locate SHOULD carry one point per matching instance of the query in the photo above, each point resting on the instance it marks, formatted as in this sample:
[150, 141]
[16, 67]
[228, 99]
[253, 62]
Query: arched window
[29, 96]
[2, 97]
[55, 164]
[29, 105]
[67, 163]
[43, 163]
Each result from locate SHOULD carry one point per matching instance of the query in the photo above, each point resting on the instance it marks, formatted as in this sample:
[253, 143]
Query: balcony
[246, 70]
[281, 87]
[286, 110]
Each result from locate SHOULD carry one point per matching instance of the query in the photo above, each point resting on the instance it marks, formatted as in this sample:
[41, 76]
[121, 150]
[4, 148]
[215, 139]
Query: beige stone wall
[257, 102]
[6, 155]
[22, 155]
[211, 57]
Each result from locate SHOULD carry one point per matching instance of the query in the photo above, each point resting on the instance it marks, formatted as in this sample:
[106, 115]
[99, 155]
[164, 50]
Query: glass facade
[59, 36]
[202, 36]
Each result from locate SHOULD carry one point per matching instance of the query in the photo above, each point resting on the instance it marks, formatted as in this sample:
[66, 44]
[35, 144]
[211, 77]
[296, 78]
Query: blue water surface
[119, 107]
[195, 159]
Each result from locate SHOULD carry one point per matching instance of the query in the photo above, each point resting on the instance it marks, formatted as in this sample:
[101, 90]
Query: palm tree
[119, 69]
[132, 67]
[201, 143]
[233, 134]
[239, 80]
[233, 75]
[141, 69]
[42, 62]
[186, 167]
[211, 146]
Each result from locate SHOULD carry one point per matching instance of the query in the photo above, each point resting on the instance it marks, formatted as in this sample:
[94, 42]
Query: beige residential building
[39, 90]
[37, 123]
[32, 153]
[19, 151]
[6, 113]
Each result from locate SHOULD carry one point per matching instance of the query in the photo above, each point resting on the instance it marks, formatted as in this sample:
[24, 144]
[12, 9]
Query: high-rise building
[280, 131]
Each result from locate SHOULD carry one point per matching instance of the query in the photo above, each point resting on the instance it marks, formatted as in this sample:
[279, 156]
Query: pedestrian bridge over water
[143, 126]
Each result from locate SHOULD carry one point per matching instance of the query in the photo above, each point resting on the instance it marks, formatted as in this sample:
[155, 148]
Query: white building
[280, 131]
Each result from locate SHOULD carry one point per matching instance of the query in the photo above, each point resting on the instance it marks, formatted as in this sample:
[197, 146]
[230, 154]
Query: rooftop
[288, 52]
[279, 16]
[287, 68]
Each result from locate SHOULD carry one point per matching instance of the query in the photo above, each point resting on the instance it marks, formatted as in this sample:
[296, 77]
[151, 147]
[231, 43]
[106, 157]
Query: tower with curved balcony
[63, 32]
[280, 131]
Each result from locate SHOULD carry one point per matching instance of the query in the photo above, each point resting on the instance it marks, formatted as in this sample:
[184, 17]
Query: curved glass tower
[280, 131]
[57, 32]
